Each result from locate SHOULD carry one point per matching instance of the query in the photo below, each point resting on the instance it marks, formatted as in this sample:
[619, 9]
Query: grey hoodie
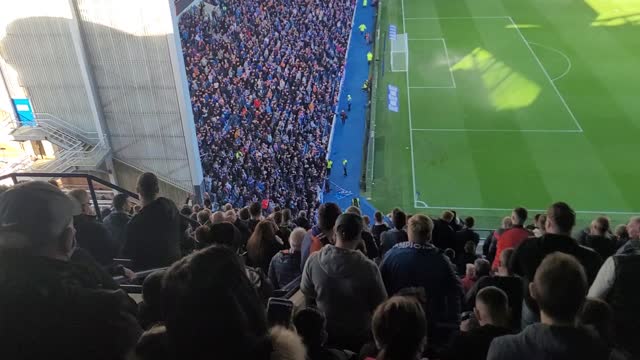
[346, 286]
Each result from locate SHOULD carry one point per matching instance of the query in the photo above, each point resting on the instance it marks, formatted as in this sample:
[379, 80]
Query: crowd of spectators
[264, 80]
[214, 294]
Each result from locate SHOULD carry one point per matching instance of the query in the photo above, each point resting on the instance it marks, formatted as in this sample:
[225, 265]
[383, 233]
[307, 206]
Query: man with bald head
[633, 230]
[285, 265]
[418, 263]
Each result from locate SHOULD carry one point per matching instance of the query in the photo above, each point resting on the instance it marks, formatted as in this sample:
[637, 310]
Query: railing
[90, 183]
[77, 157]
[44, 119]
[370, 136]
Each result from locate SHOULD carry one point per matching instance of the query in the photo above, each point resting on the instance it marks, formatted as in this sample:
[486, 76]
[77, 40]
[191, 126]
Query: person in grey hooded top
[345, 285]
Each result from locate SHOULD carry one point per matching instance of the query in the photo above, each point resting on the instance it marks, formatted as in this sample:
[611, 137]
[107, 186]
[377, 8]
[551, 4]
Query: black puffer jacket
[53, 309]
[153, 236]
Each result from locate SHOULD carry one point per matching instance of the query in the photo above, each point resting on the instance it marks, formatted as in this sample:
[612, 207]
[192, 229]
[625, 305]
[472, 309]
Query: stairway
[77, 149]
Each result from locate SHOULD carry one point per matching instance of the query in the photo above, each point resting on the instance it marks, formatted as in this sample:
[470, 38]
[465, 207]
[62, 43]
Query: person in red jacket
[514, 236]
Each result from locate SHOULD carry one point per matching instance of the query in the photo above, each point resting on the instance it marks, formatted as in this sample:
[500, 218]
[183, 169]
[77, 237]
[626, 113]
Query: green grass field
[510, 103]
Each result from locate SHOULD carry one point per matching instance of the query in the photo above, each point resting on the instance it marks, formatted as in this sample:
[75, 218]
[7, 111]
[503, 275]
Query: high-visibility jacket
[362, 27]
[344, 162]
[329, 164]
[369, 56]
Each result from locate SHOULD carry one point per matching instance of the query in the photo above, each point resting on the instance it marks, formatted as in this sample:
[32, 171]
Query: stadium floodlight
[400, 53]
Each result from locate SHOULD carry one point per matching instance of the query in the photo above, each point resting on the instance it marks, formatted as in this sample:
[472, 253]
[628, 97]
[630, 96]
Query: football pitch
[509, 103]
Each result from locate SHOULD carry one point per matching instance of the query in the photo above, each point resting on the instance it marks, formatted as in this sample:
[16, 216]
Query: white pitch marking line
[533, 210]
[446, 53]
[561, 54]
[501, 130]
[553, 85]
[420, 205]
[457, 17]
[433, 39]
[413, 168]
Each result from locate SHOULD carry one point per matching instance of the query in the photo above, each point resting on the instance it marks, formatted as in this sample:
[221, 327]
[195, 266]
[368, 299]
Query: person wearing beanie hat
[345, 285]
[52, 307]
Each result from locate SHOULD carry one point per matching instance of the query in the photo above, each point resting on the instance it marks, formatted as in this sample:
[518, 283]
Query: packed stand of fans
[264, 80]
[405, 287]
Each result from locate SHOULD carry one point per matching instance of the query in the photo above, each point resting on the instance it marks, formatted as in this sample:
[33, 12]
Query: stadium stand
[264, 82]
[54, 290]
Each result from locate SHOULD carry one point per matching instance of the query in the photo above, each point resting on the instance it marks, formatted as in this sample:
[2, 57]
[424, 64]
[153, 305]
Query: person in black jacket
[118, 220]
[527, 257]
[50, 307]
[492, 313]
[443, 234]
[599, 238]
[465, 235]
[90, 234]
[390, 238]
[153, 235]
[285, 265]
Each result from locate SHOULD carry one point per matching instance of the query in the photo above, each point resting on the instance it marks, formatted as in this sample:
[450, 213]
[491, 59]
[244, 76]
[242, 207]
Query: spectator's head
[207, 203]
[367, 221]
[261, 241]
[211, 307]
[483, 268]
[225, 234]
[377, 216]
[202, 236]
[469, 222]
[448, 216]
[147, 187]
[600, 226]
[120, 203]
[230, 216]
[633, 227]
[203, 216]
[217, 217]
[296, 237]
[559, 287]
[419, 229]
[196, 208]
[185, 210]
[255, 211]
[519, 216]
[470, 271]
[37, 217]
[399, 219]
[327, 215]
[311, 326]
[348, 229]
[470, 247]
[302, 214]
[621, 232]
[451, 254]
[507, 223]
[137, 208]
[597, 315]
[277, 217]
[81, 197]
[227, 207]
[505, 259]
[541, 222]
[399, 328]
[492, 307]
[560, 219]
[354, 210]
[244, 214]
[286, 216]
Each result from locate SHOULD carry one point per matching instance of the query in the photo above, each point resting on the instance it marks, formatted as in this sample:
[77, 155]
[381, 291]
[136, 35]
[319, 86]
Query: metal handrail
[74, 129]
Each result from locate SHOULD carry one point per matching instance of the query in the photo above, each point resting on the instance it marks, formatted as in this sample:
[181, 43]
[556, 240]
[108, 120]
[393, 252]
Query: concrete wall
[111, 66]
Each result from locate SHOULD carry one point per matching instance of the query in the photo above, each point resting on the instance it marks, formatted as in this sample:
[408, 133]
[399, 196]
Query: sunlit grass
[615, 12]
[506, 88]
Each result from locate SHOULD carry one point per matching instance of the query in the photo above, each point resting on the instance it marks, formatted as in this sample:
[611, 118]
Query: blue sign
[392, 98]
[24, 111]
[393, 32]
